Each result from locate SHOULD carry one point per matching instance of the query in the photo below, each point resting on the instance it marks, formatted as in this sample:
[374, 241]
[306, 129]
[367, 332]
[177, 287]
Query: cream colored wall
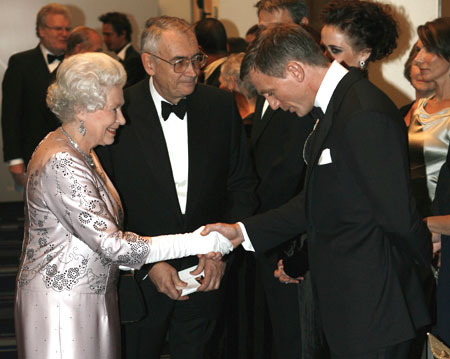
[17, 19]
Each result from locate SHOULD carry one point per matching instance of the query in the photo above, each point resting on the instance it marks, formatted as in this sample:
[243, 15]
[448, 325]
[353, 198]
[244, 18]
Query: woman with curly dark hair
[358, 32]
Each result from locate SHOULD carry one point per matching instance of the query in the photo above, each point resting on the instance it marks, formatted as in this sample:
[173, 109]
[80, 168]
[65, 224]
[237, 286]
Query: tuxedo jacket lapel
[324, 125]
[198, 127]
[150, 136]
[260, 122]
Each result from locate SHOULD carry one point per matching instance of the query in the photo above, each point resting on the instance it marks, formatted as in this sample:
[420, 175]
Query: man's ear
[149, 63]
[296, 70]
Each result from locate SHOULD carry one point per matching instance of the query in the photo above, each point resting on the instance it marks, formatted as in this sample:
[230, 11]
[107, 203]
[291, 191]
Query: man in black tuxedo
[26, 119]
[276, 144]
[117, 37]
[366, 241]
[83, 39]
[180, 162]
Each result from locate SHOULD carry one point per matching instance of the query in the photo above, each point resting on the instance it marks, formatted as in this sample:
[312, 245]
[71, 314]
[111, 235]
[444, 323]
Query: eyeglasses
[59, 28]
[180, 65]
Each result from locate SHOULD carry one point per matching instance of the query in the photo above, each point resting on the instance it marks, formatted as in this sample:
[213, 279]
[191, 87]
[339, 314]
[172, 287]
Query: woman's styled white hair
[82, 83]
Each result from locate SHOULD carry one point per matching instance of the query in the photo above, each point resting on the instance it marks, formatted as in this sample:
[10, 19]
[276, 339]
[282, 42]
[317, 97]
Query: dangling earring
[362, 64]
[82, 128]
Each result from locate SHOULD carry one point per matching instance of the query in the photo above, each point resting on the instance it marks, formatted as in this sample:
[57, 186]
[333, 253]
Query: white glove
[183, 245]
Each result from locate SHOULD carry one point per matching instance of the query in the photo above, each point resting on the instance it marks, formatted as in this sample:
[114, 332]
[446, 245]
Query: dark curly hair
[435, 36]
[119, 22]
[367, 24]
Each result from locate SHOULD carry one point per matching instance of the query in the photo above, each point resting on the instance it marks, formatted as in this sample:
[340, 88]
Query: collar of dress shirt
[157, 98]
[121, 54]
[45, 52]
[329, 83]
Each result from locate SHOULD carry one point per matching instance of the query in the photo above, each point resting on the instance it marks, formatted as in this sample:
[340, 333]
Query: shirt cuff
[125, 268]
[247, 244]
[15, 161]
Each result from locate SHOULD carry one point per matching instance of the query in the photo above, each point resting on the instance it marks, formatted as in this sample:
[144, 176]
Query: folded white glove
[182, 245]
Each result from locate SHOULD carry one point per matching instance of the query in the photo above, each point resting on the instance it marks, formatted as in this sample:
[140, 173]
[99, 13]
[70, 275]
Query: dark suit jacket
[26, 119]
[220, 184]
[277, 150]
[365, 238]
[133, 67]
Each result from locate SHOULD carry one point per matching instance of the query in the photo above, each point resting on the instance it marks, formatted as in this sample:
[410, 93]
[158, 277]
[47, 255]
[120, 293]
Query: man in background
[26, 119]
[117, 37]
[212, 38]
[83, 39]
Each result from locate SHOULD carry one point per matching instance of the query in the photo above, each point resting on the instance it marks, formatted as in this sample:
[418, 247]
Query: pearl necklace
[88, 158]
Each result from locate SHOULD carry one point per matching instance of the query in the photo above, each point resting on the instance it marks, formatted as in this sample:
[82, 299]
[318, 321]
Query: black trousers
[397, 351]
[187, 328]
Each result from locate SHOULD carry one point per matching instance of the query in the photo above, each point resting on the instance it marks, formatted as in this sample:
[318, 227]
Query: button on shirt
[176, 136]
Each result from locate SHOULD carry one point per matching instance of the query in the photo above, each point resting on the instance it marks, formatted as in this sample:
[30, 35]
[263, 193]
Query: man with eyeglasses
[180, 162]
[26, 118]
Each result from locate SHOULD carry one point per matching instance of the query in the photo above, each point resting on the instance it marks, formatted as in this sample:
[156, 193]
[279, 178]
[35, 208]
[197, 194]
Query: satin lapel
[150, 137]
[321, 132]
[259, 124]
[199, 136]
[324, 125]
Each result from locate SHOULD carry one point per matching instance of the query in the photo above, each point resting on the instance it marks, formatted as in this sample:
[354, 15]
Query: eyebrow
[184, 57]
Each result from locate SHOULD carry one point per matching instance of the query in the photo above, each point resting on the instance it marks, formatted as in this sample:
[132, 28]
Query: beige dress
[429, 138]
[66, 301]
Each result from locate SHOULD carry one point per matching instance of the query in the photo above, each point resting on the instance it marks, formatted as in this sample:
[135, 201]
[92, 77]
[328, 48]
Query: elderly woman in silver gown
[66, 302]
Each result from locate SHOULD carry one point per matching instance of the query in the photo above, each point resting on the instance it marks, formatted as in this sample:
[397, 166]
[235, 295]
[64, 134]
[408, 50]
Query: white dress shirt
[122, 53]
[176, 136]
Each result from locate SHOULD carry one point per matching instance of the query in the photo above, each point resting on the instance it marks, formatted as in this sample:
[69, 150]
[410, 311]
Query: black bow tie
[51, 58]
[179, 109]
[317, 113]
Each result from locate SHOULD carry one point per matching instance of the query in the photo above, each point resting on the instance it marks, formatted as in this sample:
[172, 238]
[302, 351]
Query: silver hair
[82, 84]
[232, 68]
[154, 28]
[55, 8]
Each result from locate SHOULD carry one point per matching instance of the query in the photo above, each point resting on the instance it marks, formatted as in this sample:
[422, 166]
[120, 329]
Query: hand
[231, 231]
[165, 278]
[214, 271]
[18, 173]
[282, 276]
[436, 240]
[215, 256]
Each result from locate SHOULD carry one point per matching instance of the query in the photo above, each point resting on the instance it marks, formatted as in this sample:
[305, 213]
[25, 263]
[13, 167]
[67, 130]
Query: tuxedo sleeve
[272, 228]
[376, 149]
[241, 182]
[12, 109]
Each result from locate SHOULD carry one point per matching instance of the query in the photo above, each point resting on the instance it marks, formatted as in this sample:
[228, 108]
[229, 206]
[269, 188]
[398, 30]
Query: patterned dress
[66, 301]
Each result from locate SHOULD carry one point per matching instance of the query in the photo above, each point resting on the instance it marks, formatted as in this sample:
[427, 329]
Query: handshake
[221, 238]
[213, 240]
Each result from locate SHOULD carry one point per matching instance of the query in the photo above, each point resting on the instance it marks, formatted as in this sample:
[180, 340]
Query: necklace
[306, 145]
[88, 158]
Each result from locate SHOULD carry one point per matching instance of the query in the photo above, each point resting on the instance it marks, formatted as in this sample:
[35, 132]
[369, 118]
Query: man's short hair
[279, 44]
[79, 35]
[211, 35]
[155, 26]
[297, 8]
[54, 8]
[119, 22]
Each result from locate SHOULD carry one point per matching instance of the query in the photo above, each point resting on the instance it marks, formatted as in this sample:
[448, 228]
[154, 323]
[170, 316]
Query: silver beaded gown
[66, 302]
